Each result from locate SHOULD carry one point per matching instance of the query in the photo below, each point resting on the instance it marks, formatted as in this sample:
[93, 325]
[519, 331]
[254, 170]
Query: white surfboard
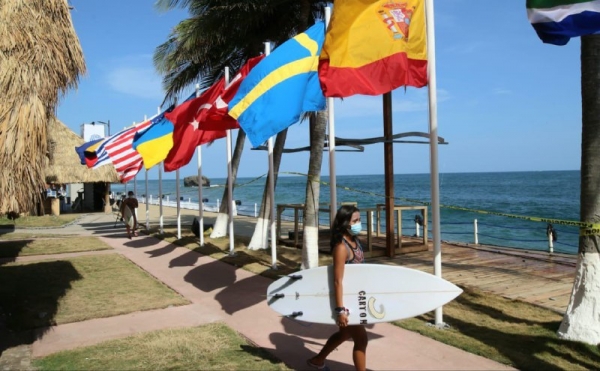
[128, 217]
[373, 293]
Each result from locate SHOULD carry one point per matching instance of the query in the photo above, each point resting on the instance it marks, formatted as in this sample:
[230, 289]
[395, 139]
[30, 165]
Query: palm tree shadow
[29, 299]
[211, 276]
[523, 356]
[10, 250]
[242, 294]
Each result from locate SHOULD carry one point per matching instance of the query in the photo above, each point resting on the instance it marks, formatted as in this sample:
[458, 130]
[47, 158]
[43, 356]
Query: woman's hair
[341, 224]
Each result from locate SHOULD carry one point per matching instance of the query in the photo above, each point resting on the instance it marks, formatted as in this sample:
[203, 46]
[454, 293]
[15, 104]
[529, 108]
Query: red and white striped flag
[213, 115]
[127, 161]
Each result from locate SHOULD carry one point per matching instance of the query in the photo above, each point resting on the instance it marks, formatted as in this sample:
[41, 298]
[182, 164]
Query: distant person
[346, 249]
[132, 203]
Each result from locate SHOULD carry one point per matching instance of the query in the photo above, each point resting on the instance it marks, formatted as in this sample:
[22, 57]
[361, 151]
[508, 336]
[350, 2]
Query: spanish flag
[373, 47]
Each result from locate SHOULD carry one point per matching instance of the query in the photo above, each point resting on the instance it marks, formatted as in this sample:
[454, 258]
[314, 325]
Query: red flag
[186, 133]
[214, 116]
[127, 161]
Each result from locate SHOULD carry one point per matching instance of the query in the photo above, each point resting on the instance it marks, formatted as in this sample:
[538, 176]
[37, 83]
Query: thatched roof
[63, 164]
[40, 59]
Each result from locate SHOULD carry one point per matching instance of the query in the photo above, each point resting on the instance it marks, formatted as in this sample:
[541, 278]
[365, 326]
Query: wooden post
[107, 206]
[55, 206]
[388, 149]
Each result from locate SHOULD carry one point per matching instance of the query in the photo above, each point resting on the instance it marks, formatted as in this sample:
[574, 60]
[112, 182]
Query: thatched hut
[40, 59]
[63, 166]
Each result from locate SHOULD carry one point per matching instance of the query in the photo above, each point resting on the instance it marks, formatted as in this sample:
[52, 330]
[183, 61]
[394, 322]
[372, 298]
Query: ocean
[538, 194]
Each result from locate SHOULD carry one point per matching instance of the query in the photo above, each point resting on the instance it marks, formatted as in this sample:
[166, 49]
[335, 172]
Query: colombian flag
[373, 47]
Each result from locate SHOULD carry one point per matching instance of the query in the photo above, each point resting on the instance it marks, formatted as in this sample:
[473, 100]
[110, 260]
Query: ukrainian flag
[281, 87]
[154, 143]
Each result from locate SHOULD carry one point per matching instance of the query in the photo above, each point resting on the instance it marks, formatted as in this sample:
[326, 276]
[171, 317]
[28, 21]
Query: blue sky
[506, 101]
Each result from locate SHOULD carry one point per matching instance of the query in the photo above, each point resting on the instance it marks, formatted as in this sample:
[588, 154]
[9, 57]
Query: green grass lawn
[28, 245]
[55, 292]
[40, 221]
[209, 347]
[508, 331]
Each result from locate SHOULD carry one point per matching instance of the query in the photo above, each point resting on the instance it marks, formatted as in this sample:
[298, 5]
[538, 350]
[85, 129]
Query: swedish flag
[281, 87]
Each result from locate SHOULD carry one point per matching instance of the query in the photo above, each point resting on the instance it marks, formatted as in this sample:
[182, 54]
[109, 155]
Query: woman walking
[346, 249]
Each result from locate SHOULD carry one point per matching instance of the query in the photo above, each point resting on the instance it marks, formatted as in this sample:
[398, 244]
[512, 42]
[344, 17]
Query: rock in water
[192, 181]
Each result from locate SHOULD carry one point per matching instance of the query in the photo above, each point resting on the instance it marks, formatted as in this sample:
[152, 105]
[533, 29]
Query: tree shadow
[496, 313]
[211, 276]
[161, 251]
[29, 298]
[10, 250]
[522, 350]
[7, 229]
[242, 294]
[141, 242]
[189, 259]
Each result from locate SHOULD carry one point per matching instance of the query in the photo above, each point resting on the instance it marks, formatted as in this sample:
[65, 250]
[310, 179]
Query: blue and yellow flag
[154, 143]
[82, 148]
[281, 87]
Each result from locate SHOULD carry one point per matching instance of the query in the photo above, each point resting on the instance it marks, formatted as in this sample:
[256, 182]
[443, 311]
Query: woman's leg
[333, 342]
[359, 352]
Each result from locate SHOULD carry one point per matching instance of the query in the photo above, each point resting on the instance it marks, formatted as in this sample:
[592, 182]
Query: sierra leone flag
[556, 21]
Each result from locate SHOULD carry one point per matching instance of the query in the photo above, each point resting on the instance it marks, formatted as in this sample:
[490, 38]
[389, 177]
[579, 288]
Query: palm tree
[220, 226]
[581, 318]
[40, 59]
[259, 237]
[222, 33]
[310, 240]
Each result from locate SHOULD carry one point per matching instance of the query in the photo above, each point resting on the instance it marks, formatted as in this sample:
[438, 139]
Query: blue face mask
[355, 229]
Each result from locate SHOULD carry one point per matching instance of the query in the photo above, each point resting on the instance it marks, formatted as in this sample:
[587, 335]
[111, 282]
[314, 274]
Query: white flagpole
[331, 129]
[229, 180]
[433, 149]
[146, 196]
[135, 183]
[178, 206]
[160, 200]
[272, 190]
[200, 205]
[147, 204]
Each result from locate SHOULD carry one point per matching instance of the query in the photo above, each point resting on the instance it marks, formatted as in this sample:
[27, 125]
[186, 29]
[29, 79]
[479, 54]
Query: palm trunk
[581, 321]
[259, 237]
[220, 227]
[310, 240]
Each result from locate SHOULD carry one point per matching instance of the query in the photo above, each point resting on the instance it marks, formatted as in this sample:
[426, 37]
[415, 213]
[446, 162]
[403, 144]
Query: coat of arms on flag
[397, 17]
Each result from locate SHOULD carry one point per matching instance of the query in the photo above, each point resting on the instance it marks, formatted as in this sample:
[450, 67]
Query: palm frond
[40, 59]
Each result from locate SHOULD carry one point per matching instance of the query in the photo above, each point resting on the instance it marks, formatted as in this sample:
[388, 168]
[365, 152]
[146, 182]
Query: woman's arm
[340, 255]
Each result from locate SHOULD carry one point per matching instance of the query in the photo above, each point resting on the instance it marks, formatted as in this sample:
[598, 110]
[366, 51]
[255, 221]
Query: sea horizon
[286, 174]
[509, 206]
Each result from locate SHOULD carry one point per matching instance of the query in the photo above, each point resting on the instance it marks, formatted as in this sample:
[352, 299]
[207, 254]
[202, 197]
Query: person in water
[346, 249]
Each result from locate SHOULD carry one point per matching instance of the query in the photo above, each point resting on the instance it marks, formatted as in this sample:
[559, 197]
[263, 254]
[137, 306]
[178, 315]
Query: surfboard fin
[295, 276]
[295, 314]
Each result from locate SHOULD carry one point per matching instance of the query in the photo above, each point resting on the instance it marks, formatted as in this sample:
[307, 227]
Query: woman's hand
[342, 320]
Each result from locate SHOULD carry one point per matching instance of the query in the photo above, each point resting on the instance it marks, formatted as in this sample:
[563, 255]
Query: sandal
[323, 367]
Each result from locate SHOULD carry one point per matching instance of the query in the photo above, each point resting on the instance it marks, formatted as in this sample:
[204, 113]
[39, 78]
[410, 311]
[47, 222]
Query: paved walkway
[220, 292]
